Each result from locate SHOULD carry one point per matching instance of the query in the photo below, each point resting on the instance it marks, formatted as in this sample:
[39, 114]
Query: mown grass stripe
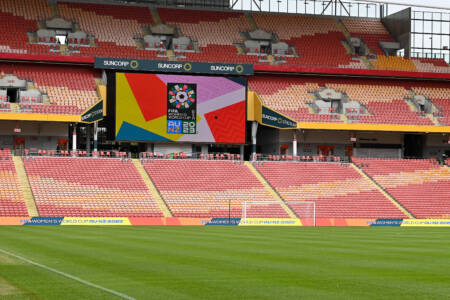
[82, 281]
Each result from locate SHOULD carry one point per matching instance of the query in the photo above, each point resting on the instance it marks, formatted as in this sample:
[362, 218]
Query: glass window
[445, 41]
[436, 42]
[427, 39]
[418, 26]
[417, 40]
[445, 28]
[437, 26]
[427, 26]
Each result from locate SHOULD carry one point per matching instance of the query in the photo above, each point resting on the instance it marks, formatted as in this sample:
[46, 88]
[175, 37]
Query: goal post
[271, 211]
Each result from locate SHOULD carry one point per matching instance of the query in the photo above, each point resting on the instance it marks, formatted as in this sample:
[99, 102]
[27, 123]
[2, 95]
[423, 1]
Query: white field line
[68, 275]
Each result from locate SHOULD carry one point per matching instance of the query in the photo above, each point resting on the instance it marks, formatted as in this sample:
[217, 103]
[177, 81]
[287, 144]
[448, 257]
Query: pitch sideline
[68, 275]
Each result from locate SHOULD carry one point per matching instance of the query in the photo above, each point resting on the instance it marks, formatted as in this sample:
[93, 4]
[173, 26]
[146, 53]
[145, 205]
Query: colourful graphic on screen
[180, 108]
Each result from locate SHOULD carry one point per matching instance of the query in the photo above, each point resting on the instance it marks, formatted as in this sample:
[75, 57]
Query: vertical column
[254, 132]
[294, 144]
[204, 150]
[74, 137]
[149, 147]
[88, 138]
[96, 136]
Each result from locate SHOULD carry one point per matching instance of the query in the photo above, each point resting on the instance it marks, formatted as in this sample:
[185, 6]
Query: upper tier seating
[431, 65]
[17, 17]
[113, 26]
[382, 98]
[214, 32]
[317, 40]
[207, 188]
[370, 31]
[394, 63]
[338, 190]
[421, 186]
[12, 203]
[70, 90]
[89, 187]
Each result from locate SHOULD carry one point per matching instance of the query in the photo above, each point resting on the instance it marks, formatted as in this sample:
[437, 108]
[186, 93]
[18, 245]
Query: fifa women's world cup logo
[182, 96]
[181, 108]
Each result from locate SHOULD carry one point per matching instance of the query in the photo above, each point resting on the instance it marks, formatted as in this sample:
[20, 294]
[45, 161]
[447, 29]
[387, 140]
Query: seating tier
[70, 90]
[12, 203]
[383, 101]
[422, 186]
[89, 187]
[338, 190]
[209, 188]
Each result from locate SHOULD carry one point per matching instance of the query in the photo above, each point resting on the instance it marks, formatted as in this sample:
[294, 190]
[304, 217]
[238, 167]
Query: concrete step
[171, 55]
[343, 29]
[55, 10]
[433, 119]
[155, 15]
[366, 61]
[15, 108]
[382, 191]
[45, 100]
[152, 188]
[26, 188]
[412, 107]
[272, 191]
[251, 21]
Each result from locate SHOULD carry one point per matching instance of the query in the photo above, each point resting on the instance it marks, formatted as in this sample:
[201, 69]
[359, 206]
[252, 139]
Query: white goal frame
[244, 207]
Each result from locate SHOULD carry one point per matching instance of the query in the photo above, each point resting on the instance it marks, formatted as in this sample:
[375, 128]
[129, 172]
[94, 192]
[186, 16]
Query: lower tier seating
[89, 187]
[338, 190]
[208, 188]
[12, 203]
[421, 186]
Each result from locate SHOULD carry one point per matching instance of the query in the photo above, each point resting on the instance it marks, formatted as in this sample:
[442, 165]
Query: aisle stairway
[26, 188]
[151, 187]
[155, 15]
[382, 191]
[269, 188]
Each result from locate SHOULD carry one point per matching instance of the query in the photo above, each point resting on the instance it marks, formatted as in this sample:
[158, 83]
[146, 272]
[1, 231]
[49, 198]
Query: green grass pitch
[215, 262]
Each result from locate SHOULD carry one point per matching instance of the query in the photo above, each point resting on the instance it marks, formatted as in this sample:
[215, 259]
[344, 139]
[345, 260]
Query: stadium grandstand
[224, 149]
[212, 109]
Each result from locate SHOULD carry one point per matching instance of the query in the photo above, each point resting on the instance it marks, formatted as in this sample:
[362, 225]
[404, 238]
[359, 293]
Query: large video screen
[180, 108]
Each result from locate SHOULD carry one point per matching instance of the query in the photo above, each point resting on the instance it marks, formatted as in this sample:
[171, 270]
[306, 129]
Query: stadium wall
[399, 26]
[40, 135]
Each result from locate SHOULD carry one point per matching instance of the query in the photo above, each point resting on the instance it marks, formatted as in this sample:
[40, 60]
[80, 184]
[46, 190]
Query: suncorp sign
[272, 118]
[173, 67]
[116, 63]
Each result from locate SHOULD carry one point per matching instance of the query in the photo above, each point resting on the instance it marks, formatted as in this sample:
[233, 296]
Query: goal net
[273, 213]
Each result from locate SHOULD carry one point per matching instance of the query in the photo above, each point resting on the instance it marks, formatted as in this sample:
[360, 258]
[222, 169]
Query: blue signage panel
[172, 66]
[272, 118]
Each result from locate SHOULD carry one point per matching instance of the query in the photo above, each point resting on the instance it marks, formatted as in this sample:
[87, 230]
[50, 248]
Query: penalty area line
[82, 281]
